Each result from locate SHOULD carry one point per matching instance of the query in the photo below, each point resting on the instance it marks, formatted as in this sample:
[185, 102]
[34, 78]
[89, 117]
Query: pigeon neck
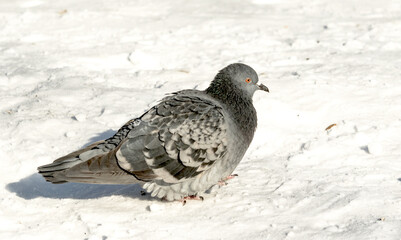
[238, 105]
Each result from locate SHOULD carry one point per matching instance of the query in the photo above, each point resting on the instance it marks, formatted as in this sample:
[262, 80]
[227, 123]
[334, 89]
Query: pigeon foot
[190, 197]
[223, 182]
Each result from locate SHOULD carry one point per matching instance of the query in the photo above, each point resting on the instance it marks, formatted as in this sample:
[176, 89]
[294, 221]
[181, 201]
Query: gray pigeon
[184, 145]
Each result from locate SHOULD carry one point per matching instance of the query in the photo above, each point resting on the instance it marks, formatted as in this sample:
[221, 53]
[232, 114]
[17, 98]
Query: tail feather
[64, 163]
[48, 171]
[88, 165]
[59, 166]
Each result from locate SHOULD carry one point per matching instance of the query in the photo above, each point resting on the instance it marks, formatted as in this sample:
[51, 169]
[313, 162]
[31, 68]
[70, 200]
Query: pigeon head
[236, 78]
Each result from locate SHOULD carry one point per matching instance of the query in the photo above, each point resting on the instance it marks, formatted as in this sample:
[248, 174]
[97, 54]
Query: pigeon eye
[248, 80]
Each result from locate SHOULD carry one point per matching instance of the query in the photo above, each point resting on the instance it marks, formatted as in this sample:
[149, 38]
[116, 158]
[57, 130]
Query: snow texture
[72, 72]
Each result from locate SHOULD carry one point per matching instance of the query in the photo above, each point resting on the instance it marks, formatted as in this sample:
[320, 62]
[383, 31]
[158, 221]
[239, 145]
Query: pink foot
[191, 197]
[223, 182]
[231, 176]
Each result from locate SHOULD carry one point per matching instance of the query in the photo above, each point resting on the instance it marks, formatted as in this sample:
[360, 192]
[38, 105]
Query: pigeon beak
[263, 87]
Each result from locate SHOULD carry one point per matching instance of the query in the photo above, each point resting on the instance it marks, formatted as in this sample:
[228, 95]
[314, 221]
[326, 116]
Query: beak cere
[263, 87]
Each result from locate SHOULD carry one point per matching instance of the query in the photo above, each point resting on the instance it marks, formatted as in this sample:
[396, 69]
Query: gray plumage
[184, 145]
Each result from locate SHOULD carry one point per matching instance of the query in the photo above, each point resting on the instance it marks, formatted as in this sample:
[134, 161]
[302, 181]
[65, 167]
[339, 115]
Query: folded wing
[177, 139]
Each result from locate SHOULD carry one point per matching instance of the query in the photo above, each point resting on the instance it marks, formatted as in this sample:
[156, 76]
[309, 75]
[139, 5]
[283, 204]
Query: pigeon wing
[177, 139]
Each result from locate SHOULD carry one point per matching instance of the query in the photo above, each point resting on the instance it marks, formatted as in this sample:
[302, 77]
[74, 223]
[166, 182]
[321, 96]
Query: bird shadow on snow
[35, 186]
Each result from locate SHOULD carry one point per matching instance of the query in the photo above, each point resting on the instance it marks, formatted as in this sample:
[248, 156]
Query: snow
[72, 72]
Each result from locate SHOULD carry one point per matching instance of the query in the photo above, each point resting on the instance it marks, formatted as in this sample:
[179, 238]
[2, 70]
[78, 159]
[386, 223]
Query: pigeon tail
[93, 164]
[48, 171]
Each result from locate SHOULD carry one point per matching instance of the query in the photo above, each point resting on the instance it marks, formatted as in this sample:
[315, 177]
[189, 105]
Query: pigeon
[187, 143]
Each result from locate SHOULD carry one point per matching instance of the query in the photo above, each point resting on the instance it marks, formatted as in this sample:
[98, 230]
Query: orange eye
[248, 80]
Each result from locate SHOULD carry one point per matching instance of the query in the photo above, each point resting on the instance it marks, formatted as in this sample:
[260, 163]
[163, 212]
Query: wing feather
[177, 139]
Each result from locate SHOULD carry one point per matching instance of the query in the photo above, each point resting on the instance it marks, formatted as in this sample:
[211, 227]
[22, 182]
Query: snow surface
[72, 72]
